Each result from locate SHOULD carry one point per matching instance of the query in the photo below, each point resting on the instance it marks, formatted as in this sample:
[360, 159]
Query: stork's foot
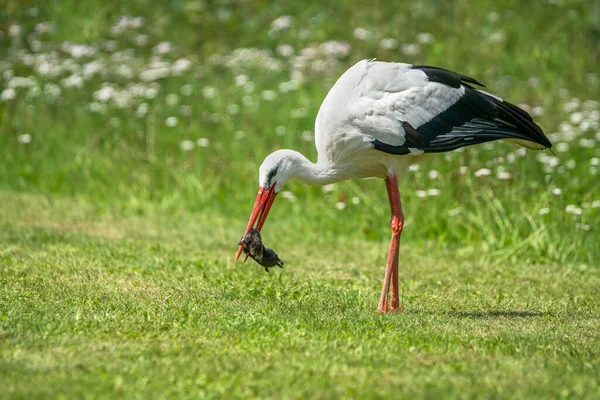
[385, 310]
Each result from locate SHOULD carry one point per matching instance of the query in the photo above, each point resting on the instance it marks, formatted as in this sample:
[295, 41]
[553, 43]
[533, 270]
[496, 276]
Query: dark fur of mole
[264, 256]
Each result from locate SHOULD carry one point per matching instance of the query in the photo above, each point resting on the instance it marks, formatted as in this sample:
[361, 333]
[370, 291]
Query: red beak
[262, 205]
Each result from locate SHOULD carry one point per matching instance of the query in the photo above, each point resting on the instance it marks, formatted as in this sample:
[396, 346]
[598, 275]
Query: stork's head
[278, 168]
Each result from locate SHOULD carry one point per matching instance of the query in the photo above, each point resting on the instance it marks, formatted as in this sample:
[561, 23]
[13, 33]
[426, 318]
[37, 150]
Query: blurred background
[167, 108]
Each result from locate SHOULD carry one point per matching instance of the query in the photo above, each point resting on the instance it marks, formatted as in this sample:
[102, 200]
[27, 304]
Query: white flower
[557, 191]
[52, 91]
[573, 209]
[281, 23]
[186, 89]
[186, 145]
[482, 172]
[362, 34]
[249, 101]
[171, 121]
[78, 50]
[497, 36]
[584, 227]
[414, 167]
[329, 188]
[537, 111]
[142, 40]
[299, 112]
[520, 152]
[203, 142]
[335, 48]
[576, 118]
[503, 175]
[493, 17]
[8, 75]
[105, 93]
[163, 48]
[590, 104]
[433, 192]
[307, 136]
[550, 161]
[233, 109]
[288, 195]
[280, 130]
[241, 80]
[424, 38]
[544, 211]
[110, 45]
[24, 139]
[185, 110]
[96, 107]
[181, 65]
[421, 193]
[136, 22]
[595, 204]
[14, 30]
[411, 49]
[562, 147]
[288, 86]
[595, 161]
[433, 174]
[92, 68]
[454, 211]
[355, 200]
[209, 92]
[73, 81]
[154, 72]
[142, 110]
[20, 81]
[388, 43]
[151, 93]
[172, 99]
[269, 95]
[285, 50]
[239, 135]
[8, 94]
[340, 205]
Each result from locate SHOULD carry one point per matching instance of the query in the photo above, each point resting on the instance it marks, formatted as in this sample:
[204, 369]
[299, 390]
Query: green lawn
[129, 154]
[150, 307]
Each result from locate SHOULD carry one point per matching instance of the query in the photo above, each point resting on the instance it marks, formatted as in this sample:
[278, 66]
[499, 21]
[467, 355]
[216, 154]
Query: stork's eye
[272, 174]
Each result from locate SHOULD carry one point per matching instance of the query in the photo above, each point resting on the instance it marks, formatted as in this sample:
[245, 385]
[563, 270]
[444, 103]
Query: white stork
[375, 119]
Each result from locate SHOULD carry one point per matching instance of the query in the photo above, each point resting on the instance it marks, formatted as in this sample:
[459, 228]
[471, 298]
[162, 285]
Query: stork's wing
[404, 109]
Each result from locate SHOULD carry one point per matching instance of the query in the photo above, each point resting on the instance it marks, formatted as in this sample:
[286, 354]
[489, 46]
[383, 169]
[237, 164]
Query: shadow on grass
[489, 314]
[497, 314]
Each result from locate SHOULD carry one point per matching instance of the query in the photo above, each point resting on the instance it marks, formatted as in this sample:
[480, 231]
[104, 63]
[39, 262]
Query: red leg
[391, 270]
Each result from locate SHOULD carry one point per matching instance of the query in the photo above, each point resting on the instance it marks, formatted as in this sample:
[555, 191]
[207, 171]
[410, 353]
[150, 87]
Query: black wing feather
[441, 75]
[475, 118]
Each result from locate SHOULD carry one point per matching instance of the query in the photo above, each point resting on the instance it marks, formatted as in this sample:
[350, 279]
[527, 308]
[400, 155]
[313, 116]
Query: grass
[152, 308]
[118, 225]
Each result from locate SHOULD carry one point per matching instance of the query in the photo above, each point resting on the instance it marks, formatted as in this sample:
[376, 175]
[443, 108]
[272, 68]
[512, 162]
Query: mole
[264, 256]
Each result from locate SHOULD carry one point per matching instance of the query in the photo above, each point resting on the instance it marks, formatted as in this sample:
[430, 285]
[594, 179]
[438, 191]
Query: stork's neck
[321, 173]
